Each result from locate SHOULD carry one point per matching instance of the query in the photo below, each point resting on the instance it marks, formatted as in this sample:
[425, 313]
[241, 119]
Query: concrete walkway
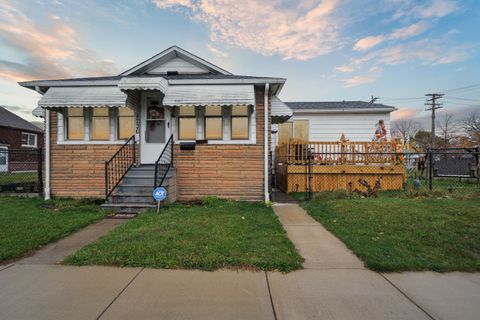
[57, 251]
[337, 287]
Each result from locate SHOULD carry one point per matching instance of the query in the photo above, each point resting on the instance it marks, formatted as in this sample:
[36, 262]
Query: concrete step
[132, 198]
[128, 207]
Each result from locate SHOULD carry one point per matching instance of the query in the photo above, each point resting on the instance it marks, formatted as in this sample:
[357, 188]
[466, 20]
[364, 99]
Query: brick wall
[13, 138]
[226, 171]
[77, 171]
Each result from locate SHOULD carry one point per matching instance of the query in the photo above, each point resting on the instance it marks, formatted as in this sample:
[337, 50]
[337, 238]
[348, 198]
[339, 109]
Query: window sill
[28, 146]
[91, 142]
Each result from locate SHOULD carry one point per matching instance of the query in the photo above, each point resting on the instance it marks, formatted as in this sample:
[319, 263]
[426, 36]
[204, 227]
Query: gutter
[47, 155]
[265, 142]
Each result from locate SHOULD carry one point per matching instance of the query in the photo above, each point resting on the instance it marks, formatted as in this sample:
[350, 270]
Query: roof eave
[345, 110]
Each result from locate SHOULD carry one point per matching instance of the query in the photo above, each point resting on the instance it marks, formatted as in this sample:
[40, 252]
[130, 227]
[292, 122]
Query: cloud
[217, 52]
[368, 42]
[398, 34]
[358, 80]
[48, 50]
[423, 9]
[405, 113]
[345, 69]
[276, 27]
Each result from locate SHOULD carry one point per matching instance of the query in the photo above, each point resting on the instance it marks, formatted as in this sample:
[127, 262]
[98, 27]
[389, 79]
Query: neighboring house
[18, 134]
[327, 121]
[179, 109]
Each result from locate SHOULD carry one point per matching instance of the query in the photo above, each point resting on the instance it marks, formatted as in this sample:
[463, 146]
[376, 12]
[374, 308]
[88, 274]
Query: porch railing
[339, 152]
[163, 163]
[117, 167]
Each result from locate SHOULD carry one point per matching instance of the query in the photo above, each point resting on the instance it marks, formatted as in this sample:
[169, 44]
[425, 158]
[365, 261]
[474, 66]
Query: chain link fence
[366, 173]
[21, 170]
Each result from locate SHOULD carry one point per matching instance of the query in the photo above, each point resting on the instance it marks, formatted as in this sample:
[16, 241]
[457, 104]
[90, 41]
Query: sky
[396, 50]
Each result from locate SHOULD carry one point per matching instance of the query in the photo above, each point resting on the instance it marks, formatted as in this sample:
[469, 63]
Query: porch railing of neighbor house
[163, 163]
[339, 152]
[117, 167]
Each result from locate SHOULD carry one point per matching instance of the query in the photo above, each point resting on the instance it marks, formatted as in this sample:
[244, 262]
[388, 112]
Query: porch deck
[338, 165]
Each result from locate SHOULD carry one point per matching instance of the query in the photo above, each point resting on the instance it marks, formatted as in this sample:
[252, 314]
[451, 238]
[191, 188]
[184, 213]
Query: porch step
[134, 193]
[128, 207]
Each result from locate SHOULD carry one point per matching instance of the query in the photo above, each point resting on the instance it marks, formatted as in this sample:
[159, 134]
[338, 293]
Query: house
[17, 138]
[174, 120]
[327, 121]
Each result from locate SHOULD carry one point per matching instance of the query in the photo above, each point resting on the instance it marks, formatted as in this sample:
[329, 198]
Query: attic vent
[172, 73]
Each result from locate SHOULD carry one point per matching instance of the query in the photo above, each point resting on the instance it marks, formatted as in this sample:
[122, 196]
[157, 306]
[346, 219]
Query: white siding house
[327, 121]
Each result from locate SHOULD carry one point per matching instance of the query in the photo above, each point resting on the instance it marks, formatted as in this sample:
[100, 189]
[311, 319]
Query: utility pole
[434, 105]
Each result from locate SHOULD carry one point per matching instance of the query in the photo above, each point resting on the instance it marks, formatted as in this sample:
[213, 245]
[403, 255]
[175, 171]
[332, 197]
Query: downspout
[47, 154]
[265, 142]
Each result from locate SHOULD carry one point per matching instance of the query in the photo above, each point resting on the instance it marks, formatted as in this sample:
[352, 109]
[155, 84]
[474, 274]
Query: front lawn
[400, 232]
[28, 223]
[18, 177]
[208, 236]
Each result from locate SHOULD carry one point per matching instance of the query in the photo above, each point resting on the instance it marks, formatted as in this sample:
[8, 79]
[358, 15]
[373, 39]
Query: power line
[463, 99]
[462, 88]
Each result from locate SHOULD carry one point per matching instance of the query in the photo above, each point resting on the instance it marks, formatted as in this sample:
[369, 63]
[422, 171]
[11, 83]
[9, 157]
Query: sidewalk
[334, 285]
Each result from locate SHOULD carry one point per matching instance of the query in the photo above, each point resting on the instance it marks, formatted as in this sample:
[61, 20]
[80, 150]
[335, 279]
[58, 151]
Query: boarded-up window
[240, 122]
[187, 123]
[300, 130]
[285, 132]
[213, 123]
[100, 124]
[75, 124]
[126, 123]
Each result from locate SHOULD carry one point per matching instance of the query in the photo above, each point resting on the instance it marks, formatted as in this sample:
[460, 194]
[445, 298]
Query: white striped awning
[38, 112]
[83, 97]
[202, 95]
[143, 83]
[280, 111]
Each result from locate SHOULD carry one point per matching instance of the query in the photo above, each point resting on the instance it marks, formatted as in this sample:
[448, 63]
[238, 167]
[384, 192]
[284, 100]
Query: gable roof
[339, 106]
[170, 54]
[11, 120]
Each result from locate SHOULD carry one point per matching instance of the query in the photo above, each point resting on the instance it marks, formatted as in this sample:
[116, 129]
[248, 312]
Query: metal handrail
[117, 167]
[164, 160]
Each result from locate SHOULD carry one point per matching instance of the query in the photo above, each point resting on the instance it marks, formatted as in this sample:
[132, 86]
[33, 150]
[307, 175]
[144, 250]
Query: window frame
[29, 134]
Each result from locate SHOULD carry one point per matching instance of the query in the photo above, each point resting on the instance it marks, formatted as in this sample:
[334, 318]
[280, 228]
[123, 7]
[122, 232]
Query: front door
[156, 127]
[3, 159]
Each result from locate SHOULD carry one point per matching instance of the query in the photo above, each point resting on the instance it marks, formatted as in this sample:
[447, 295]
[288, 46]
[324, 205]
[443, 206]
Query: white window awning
[202, 95]
[143, 83]
[280, 111]
[57, 97]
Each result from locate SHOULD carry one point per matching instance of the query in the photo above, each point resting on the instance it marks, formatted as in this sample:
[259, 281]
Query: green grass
[213, 235]
[7, 178]
[405, 231]
[28, 223]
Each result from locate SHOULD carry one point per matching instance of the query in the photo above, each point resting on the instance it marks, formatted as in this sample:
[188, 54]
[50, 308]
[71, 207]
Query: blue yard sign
[159, 194]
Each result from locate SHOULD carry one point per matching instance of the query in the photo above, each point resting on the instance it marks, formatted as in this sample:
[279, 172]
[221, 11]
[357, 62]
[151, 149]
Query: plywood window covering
[100, 124]
[75, 124]
[126, 123]
[213, 123]
[240, 123]
[300, 130]
[187, 123]
[285, 132]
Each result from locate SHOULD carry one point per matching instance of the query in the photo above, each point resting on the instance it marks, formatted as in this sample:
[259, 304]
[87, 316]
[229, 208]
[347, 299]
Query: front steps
[134, 193]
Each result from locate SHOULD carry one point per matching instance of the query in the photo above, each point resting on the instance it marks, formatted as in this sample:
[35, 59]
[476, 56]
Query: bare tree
[448, 128]
[471, 124]
[406, 129]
